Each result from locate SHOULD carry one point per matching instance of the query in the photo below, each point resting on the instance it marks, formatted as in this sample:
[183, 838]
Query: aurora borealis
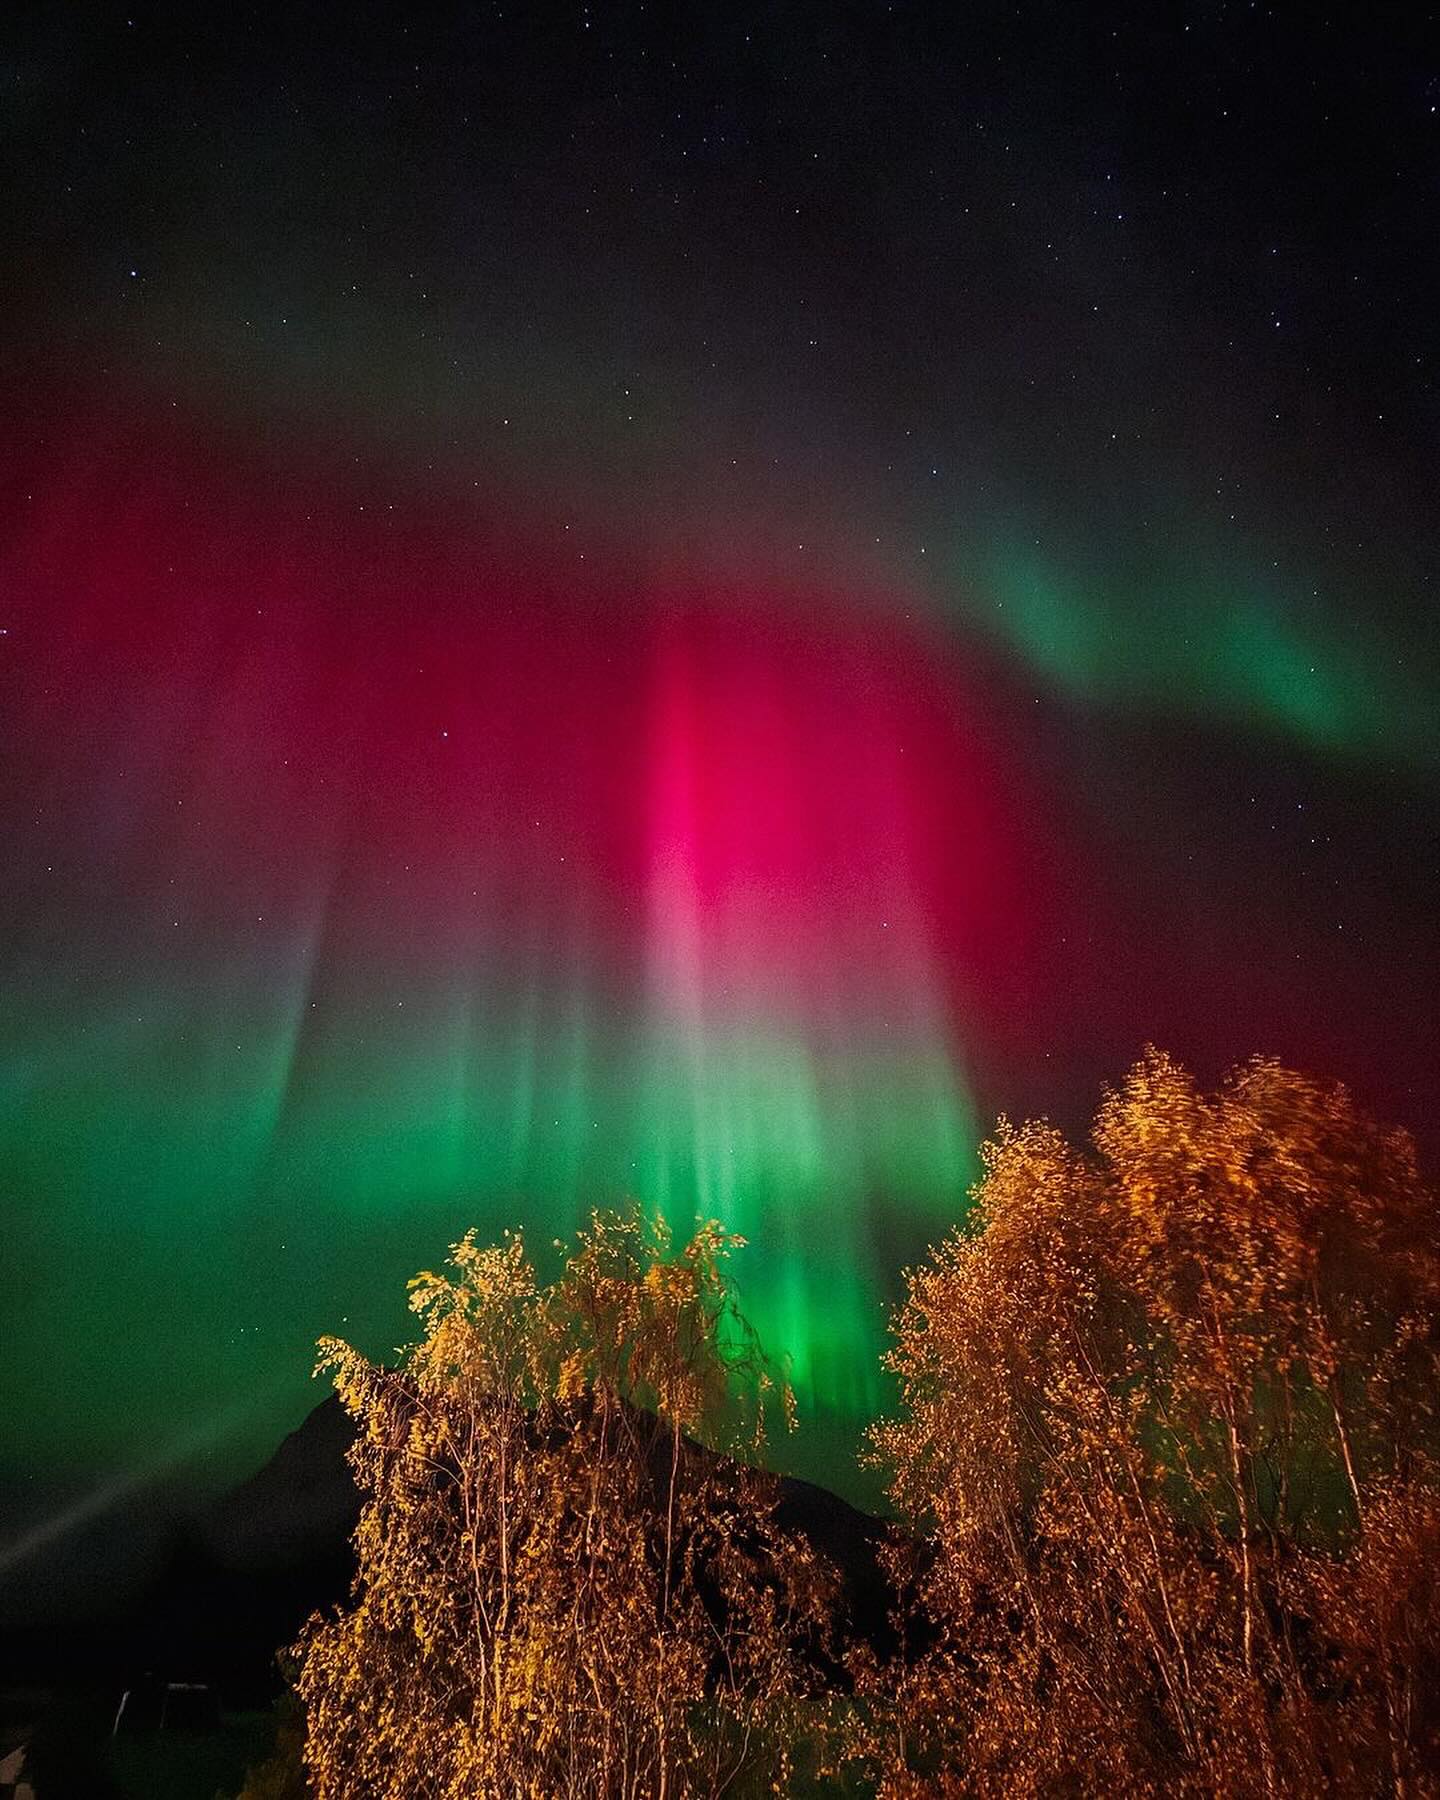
[696, 637]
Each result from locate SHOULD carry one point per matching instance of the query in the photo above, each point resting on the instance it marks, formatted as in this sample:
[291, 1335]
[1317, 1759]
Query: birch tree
[1168, 1438]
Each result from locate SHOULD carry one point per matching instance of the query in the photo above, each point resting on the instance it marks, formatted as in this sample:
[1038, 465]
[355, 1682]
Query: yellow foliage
[560, 1589]
[1169, 1438]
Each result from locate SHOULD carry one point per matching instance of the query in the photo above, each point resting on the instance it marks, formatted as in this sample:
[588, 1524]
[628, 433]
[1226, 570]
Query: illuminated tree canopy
[1169, 1425]
[560, 1590]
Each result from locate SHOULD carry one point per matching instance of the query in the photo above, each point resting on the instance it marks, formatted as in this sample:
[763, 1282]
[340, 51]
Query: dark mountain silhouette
[297, 1507]
[236, 1581]
[286, 1531]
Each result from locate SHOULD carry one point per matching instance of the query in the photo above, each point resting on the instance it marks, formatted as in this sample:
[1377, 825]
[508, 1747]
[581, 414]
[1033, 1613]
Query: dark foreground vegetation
[1164, 1473]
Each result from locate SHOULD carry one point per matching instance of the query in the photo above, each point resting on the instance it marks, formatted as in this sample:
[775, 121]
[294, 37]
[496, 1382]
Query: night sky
[679, 602]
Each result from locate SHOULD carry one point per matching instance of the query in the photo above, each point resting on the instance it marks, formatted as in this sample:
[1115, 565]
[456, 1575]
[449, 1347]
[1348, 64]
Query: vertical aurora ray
[802, 1075]
[374, 920]
[374, 877]
[693, 642]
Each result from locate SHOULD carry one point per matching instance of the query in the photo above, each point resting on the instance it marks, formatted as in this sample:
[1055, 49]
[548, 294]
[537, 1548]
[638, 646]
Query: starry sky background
[686, 602]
